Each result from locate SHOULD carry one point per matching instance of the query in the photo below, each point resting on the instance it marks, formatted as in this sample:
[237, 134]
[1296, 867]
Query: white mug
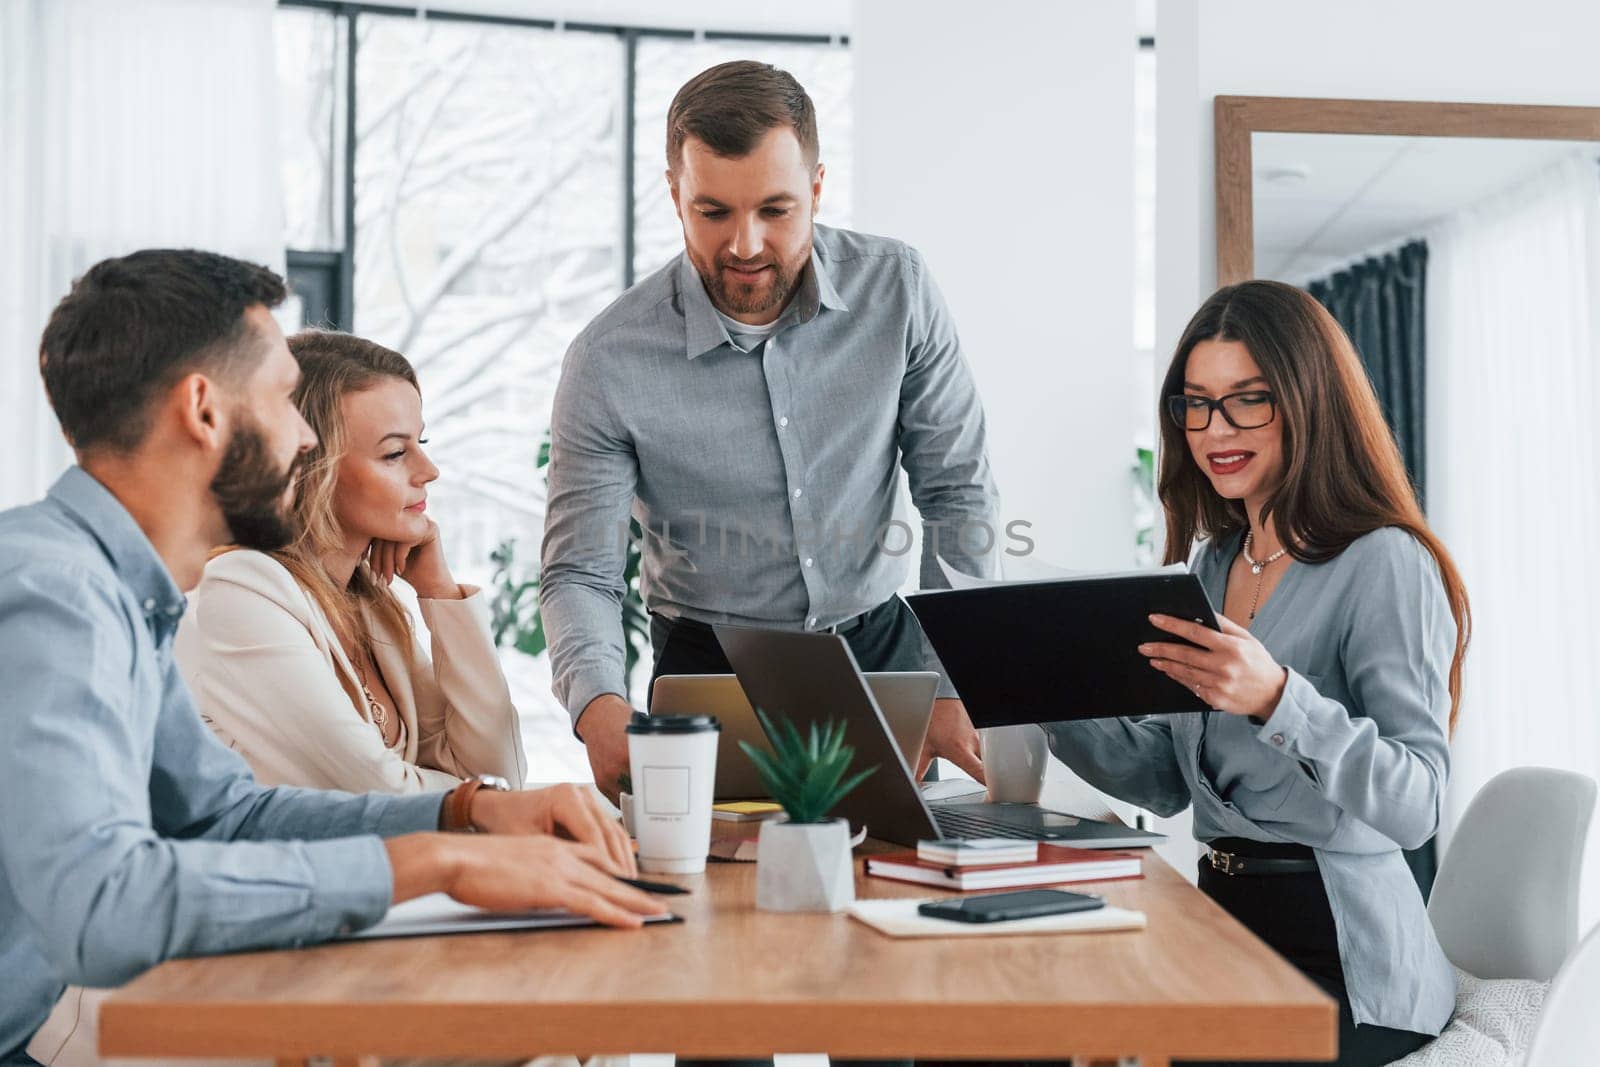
[673, 763]
[1014, 761]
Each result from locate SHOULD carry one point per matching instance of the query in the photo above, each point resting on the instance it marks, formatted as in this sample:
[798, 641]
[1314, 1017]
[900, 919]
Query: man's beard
[740, 299]
[251, 491]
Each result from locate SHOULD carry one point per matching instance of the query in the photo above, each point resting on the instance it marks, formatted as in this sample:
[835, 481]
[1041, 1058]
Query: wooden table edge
[723, 1029]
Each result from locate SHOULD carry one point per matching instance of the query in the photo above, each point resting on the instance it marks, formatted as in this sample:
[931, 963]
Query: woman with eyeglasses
[1335, 679]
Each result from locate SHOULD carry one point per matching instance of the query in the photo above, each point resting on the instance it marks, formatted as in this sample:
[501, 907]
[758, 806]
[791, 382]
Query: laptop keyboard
[966, 824]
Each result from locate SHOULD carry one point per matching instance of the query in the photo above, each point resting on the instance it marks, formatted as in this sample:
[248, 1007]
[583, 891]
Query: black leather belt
[1232, 863]
[849, 625]
[856, 622]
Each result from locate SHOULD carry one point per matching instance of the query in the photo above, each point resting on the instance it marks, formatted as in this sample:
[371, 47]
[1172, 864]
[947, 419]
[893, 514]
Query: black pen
[652, 887]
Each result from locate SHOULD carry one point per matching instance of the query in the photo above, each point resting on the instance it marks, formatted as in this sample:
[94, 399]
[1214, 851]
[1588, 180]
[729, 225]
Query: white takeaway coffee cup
[673, 763]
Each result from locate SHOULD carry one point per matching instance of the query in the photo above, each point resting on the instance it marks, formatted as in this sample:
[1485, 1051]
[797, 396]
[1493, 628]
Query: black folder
[1061, 650]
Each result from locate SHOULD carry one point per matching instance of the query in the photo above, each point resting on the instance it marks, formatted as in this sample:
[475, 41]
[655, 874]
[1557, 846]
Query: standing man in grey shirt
[131, 835]
[748, 405]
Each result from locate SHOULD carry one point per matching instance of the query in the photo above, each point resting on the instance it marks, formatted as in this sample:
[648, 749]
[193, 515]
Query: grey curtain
[1382, 303]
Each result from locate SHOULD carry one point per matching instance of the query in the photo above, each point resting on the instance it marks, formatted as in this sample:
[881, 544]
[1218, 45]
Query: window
[485, 162]
[312, 53]
[488, 232]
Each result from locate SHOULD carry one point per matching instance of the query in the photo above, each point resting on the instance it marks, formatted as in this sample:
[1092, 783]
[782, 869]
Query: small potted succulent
[803, 858]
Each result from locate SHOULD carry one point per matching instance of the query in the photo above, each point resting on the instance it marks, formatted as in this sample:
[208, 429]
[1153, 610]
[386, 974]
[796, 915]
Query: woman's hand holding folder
[1231, 670]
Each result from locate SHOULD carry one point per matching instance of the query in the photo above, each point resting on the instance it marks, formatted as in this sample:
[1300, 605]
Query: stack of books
[997, 864]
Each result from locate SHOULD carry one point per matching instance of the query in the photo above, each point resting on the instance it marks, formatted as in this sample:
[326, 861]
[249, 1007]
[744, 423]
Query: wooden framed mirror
[1239, 119]
[1458, 246]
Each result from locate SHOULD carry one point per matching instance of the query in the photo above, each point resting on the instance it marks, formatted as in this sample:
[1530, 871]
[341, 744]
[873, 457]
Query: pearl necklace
[1256, 567]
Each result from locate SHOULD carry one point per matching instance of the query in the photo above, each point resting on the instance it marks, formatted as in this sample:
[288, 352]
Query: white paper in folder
[1026, 571]
[438, 914]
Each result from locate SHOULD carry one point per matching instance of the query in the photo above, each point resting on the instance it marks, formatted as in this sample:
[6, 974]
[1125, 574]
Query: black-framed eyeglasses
[1244, 411]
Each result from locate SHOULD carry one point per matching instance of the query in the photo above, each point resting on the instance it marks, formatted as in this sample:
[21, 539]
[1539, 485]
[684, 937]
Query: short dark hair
[133, 325]
[732, 106]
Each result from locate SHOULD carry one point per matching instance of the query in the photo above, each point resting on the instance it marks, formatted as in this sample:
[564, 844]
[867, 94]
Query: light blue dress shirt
[766, 479]
[128, 833]
[1353, 761]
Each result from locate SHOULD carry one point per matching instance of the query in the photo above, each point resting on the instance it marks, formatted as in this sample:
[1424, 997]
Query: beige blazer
[265, 668]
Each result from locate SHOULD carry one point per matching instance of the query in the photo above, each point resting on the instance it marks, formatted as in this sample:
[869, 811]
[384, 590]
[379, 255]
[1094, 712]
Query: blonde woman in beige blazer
[303, 660]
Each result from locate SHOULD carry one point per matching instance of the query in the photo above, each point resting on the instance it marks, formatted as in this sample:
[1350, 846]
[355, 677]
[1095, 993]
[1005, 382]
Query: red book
[1056, 865]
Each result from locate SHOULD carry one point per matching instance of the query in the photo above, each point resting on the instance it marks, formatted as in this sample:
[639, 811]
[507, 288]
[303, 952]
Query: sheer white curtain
[1514, 472]
[122, 126]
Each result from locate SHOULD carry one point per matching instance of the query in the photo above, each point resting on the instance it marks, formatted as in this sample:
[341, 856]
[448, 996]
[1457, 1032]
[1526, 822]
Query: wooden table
[733, 982]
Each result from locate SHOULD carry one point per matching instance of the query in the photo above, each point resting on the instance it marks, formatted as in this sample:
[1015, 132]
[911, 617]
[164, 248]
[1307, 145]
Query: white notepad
[899, 918]
[438, 914]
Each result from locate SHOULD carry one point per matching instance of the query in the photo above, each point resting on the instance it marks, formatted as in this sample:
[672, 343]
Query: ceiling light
[1285, 176]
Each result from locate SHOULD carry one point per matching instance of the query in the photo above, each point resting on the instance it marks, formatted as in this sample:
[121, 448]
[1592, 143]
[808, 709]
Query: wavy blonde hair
[332, 366]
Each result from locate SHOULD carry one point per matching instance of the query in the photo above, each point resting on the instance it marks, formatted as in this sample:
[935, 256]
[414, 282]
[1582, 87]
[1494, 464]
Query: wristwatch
[455, 816]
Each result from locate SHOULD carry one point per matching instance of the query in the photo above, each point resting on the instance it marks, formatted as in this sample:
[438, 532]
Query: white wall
[1472, 51]
[998, 139]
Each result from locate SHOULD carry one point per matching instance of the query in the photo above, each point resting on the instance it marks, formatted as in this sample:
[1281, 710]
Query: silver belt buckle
[1223, 861]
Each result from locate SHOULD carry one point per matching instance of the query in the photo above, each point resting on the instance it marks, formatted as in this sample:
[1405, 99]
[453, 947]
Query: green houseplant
[1146, 508]
[803, 859]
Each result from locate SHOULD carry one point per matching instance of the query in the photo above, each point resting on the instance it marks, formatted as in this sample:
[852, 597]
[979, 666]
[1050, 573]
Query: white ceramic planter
[804, 866]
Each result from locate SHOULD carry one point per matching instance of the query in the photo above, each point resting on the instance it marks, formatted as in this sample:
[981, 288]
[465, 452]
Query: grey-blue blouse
[1352, 762]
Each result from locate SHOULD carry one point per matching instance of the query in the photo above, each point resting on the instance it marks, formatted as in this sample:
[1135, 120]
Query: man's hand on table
[514, 872]
[603, 728]
[568, 811]
[951, 735]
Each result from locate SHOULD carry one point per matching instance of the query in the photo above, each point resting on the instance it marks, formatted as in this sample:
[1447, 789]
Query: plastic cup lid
[673, 724]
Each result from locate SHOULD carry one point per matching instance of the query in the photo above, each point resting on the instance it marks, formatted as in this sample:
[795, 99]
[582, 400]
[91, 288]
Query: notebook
[1056, 865]
[899, 918]
[977, 851]
[745, 811]
[438, 914]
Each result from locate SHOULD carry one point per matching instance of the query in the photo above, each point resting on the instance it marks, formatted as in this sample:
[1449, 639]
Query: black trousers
[1291, 913]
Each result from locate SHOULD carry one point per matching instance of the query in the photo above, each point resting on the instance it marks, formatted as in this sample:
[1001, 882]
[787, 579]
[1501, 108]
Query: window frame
[325, 279]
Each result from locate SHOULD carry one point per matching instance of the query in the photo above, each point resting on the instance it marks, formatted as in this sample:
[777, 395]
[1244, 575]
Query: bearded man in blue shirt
[131, 835]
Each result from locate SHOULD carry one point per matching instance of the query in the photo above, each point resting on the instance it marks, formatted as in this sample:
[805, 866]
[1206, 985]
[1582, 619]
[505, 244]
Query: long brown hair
[1342, 472]
[332, 366]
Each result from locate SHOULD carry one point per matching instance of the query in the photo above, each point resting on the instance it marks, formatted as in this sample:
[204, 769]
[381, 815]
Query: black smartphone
[998, 907]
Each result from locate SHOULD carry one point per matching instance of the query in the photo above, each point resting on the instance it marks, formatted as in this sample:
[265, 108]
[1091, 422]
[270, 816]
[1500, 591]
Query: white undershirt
[748, 338]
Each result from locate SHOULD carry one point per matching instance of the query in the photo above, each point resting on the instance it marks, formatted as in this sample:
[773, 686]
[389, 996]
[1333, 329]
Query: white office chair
[1568, 1031]
[1505, 907]
[1505, 903]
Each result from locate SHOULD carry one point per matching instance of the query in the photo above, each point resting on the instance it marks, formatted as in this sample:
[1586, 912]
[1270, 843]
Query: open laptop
[813, 678]
[906, 698]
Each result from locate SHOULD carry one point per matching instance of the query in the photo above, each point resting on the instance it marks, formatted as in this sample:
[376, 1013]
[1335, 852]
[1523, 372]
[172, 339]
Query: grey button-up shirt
[128, 833]
[1353, 761]
[765, 480]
